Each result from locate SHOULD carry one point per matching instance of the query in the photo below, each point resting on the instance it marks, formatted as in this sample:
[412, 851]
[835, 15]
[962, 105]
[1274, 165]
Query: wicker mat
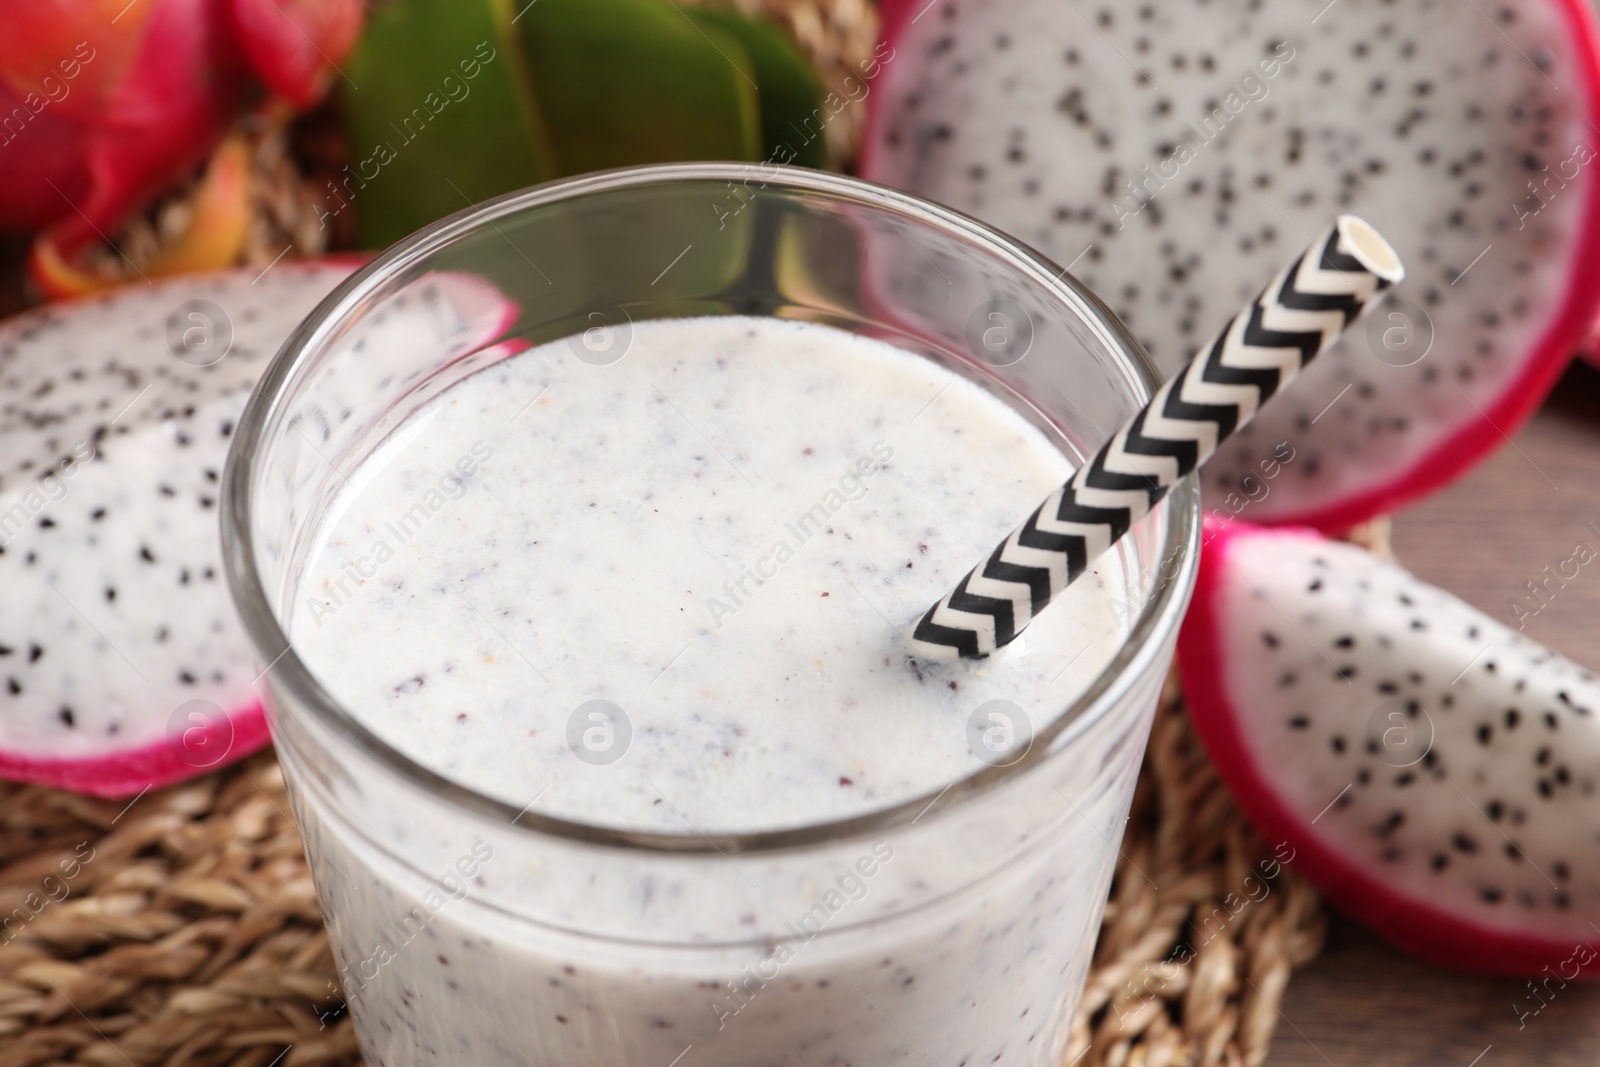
[182, 929]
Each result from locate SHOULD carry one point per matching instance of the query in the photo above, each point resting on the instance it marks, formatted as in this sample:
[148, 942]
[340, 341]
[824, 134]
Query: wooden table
[1362, 1003]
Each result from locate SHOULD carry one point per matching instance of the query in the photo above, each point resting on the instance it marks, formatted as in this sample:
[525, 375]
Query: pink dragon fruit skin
[151, 96]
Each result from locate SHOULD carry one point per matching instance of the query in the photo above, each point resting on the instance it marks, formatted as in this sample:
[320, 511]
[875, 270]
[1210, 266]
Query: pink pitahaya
[103, 104]
[1170, 153]
[122, 666]
[1437, 774]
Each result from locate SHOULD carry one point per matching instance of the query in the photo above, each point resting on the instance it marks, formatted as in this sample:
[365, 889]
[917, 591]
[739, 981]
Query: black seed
[1338, 744]
[1485, 732]
[1391, 824]
[1490, 895]
[1496, 810]
[1269, 639]
[1464, 843]
[1299, 722]
[1512, 718]
[1440, 861]
[66, 716]
[34, 652]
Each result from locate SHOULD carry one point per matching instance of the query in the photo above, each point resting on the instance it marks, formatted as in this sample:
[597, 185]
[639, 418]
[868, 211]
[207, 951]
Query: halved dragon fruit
[1434, 771]
[1173, 154]
[121, 666]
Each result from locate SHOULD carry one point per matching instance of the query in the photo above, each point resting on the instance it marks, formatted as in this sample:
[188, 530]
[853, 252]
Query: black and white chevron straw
[1266, 344]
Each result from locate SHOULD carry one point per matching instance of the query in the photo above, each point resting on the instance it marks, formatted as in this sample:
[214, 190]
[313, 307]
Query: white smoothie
[665, 594]
[719, 534]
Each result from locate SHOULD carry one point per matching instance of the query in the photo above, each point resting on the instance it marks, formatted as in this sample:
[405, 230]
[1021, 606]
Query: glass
[953, 928]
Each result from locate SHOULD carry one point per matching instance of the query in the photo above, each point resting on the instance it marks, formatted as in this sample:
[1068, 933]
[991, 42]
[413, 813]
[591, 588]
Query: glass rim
[1157, 620]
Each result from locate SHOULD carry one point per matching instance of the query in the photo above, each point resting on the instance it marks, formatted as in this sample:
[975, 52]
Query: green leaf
[624, 82]
[790, 92]
[443, 115]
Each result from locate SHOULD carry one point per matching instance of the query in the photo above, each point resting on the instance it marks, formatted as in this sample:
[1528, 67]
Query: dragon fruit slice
[1434, 771]
[1171, 154]
[121, 666]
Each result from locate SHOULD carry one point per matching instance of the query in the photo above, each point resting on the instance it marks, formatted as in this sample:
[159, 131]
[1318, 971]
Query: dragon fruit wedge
[1172, 154]
[121, 665]
[1434, 771]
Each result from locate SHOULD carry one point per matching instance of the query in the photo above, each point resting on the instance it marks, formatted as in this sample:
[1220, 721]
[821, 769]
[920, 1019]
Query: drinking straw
[1302, 312]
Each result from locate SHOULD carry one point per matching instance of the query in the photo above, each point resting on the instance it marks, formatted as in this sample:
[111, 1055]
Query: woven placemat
[182, 929]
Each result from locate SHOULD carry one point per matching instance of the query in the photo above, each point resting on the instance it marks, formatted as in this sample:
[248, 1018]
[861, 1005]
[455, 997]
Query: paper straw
[1266, 344]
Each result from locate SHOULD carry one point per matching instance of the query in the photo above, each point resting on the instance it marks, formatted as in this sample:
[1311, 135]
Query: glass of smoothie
[580, 534]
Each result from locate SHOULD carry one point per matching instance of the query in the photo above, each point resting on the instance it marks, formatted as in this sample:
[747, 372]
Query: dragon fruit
[1171, 154]
[121, 662]
[104, 104]
[1434, 771]
[121, 666]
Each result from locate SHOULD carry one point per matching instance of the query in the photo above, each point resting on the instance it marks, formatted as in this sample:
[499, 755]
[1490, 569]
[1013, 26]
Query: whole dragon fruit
[104, 104]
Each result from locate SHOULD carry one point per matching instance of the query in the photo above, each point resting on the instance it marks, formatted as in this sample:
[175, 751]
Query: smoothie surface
[665, 593]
